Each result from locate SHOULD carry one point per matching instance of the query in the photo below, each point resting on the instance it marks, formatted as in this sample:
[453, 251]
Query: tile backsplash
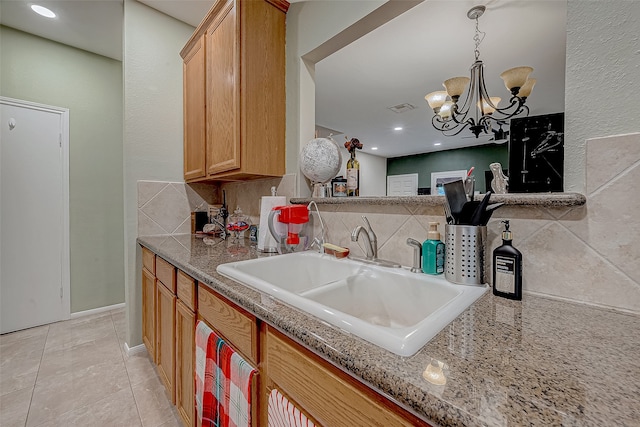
[165, 207]
[588, 254]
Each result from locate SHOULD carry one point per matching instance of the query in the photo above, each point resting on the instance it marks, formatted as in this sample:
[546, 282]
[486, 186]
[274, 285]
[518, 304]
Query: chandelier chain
[478, 39]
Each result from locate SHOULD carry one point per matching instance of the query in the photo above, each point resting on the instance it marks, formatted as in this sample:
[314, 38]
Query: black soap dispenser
[507, 268]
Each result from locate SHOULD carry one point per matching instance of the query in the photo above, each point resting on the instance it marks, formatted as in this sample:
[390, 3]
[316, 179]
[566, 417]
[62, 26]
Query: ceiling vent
[401, 108]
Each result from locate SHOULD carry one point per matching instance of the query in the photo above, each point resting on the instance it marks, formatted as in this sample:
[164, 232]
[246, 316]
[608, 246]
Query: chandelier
[478, 110]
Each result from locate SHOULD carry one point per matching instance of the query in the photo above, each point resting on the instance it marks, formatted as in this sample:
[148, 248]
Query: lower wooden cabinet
[166, 337]
[235, 325]
[185, 360]
[240, 330]
[149, 312]
[322, 391]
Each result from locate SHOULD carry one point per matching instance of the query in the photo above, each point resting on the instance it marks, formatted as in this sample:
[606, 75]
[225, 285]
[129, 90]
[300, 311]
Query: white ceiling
[410, 56]
[92, 25]
[397, 63]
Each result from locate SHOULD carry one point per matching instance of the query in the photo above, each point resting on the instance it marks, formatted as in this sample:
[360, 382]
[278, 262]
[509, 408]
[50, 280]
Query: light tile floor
[76, 373]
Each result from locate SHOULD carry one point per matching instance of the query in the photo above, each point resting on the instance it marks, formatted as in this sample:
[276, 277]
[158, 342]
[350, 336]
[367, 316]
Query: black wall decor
[536, 154]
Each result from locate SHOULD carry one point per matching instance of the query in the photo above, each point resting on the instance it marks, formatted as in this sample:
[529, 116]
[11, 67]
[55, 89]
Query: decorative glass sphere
[320, 160]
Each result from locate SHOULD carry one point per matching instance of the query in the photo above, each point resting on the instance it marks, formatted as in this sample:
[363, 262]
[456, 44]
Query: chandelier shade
[436, 99]
[455, 86]
[515, 78]
[526, 89]
[477, 110]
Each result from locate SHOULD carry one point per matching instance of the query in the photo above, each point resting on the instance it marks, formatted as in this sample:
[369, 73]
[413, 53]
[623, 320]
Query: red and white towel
[283, 413]
[223, 382]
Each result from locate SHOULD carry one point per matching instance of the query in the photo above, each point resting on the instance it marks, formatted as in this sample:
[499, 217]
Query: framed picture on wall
[438, 179]
[536, 154]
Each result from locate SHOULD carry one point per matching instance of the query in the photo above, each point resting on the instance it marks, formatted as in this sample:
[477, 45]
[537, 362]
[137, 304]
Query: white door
[402, 185]
[34, 260]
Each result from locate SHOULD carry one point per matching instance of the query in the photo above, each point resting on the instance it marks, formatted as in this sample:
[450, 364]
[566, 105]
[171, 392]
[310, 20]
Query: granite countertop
[512, 199]
[506, 363]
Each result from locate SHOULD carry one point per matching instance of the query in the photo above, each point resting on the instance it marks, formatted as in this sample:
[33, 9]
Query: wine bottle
[353, 176]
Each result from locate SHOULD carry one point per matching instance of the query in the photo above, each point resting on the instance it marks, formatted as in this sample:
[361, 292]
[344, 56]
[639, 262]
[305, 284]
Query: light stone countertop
[538, 362]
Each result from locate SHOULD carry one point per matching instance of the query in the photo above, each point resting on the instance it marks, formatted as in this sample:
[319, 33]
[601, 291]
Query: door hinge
[60, 292]
[60, 143]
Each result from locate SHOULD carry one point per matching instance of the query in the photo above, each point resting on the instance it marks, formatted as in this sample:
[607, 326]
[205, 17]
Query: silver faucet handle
[319, 243]
[417, 255]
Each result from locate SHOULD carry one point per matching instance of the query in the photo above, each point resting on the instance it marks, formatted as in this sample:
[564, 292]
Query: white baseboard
[135, 349]
[96, 310]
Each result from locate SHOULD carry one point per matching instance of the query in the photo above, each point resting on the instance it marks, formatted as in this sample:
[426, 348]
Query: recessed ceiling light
[397, 128]
[437, 143]
[41, 10]
[374, 148]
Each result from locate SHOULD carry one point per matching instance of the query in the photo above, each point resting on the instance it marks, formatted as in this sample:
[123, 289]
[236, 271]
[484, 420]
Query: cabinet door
[223, 85]
[149, 312]
[329, 395]
[194, 113]
[166, 337]
[185, 346]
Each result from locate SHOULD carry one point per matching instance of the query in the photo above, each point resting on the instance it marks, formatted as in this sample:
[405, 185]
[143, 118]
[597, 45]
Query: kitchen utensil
[470, 184]
[470, 187]
[456, 196]
[476, 218]
[486, 216]
[447, 212]
[468, 210]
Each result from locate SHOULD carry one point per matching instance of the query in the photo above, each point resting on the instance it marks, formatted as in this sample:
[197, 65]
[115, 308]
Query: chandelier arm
[478, 120]
[509, 111]
[468, 101]
[448, 128]
[461, 118]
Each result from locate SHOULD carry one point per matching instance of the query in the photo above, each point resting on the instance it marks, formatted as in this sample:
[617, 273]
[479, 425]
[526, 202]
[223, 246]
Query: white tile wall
[165, 207]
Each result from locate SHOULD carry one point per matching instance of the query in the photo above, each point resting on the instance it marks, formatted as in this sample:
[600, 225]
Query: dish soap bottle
[507, 268]
[433, 251]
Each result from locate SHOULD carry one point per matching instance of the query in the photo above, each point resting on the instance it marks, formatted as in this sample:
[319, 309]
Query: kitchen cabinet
[240, 330]
[234, 92]
[322, 391]
[194, 125]
[166, 325]
[149, 301]
[185, 347]
[169, 320]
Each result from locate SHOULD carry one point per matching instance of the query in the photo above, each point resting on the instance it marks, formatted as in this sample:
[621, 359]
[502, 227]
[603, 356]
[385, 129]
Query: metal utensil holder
[465, 255]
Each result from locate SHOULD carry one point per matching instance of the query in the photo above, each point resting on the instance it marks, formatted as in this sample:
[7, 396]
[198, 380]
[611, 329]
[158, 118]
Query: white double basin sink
[390, 307]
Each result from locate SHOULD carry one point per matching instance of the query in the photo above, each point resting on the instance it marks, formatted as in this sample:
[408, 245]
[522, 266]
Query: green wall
[440, 161]
[90, 86]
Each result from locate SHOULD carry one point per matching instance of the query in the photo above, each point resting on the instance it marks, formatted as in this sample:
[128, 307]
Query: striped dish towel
[223, 382]
[283, 413]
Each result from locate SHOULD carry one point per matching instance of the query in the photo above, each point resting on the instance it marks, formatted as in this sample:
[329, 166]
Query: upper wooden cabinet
[193, 87]
[234, 92]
